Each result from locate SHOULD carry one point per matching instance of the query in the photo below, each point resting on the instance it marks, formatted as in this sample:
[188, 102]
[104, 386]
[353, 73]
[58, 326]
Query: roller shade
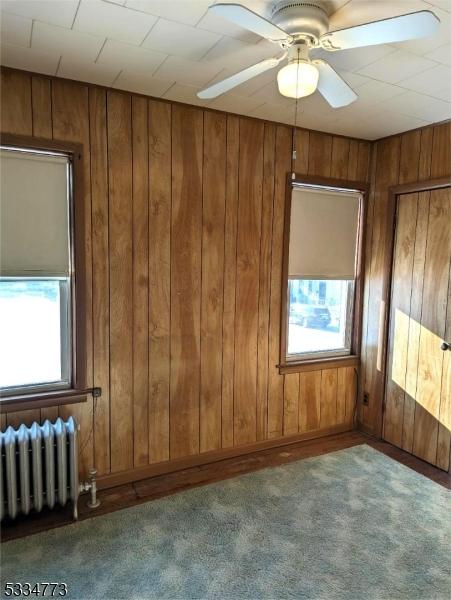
[323, 234]
[34, 214]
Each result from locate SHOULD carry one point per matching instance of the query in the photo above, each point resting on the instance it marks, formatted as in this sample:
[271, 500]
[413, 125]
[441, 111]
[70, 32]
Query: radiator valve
[91, 486]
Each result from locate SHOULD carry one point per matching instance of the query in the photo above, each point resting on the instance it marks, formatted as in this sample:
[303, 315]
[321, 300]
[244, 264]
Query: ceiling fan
[299, 27]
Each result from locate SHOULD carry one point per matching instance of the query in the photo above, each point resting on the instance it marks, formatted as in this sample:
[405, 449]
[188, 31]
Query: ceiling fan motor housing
[301, 19]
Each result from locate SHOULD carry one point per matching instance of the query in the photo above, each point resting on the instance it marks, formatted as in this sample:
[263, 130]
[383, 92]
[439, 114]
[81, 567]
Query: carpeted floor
[349, 525]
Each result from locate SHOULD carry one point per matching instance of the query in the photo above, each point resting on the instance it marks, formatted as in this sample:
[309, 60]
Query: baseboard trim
[178, 464]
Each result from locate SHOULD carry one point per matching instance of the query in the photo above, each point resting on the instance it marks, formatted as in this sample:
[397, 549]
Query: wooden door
[417, 415]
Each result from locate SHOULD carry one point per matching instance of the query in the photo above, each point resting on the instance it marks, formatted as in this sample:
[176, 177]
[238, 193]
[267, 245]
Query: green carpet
[353, 524]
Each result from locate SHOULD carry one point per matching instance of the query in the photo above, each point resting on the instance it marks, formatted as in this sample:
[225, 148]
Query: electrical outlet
[366, 398]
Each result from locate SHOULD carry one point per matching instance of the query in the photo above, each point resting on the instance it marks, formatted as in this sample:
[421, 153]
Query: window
[38, 323]
[320, 266]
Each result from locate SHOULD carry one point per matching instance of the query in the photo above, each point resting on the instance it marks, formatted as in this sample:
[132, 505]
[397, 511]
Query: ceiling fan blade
[215, 90]
[396, 29]
[332, 87]
[243, 17]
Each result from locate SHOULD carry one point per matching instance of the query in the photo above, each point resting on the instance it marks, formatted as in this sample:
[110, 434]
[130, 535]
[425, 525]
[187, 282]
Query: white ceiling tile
[212, 22]
[316, 105]
[113, 21]
[270, 94]
[353, 79]
[429, 81]
[19, 57]
[355, 58]
[87, 71]
[443, 4]
[391, 122]
[186, 71]
[15, 29]
[180, 40]
[397, 66]
[117, 55]
[442, 54]
[236, 104]
[272, 112]
[377, 91]
[65, 42]
[444, 93]
[379, 125]
[134, 82]
[185, 93]
[236, 55]
[188, 12]
[58, 13]
[421, 107]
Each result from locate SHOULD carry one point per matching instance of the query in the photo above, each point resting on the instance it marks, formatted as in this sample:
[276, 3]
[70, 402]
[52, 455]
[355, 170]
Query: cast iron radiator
[38, 467]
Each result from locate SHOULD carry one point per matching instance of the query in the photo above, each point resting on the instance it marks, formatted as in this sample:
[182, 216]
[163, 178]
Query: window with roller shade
[322, 261]
[36, 272]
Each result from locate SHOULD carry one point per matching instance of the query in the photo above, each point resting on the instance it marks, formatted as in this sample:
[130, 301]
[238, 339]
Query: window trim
[309, 363]
[76, 391]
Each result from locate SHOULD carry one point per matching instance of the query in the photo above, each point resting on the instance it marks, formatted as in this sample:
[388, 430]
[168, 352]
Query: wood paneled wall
[184, 214]
[409, 157]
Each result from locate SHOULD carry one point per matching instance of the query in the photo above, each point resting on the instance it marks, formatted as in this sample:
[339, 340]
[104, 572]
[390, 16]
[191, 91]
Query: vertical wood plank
[265, 280]
[342, 385]
[416, 301]
[441, 151]
[309, 401]
[121, 279]
[275, 385]
[16, 112]
[101, 279]
[410, 156]
[230, 240]
[424, 166]
[351, 395]
[187, 136]
[444, 424]
[387, 164]
[140, 248]
[340, 157]
[353, 160]
[399, 318]
[328, 410]
[302, 150]
[247, 280]
[42, 106]
[291, 404]
[433, 324]
[213, 217]
[364, 161]
[320, 154]
[70, 120]
[159, 278]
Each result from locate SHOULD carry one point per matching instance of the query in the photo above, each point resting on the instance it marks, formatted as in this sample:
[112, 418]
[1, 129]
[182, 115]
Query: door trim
[385, 304]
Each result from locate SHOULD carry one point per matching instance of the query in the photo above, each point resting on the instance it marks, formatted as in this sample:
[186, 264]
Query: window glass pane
[320, 316]
[33, 327]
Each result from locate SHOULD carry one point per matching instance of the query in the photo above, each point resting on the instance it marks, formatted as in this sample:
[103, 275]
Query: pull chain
[293, 156]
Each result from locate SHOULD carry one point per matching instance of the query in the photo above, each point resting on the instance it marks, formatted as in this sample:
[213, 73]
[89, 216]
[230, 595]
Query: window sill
[319, 364]
[41, 400]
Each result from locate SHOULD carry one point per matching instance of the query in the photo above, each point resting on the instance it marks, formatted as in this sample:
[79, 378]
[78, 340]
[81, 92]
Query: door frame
[394, 192]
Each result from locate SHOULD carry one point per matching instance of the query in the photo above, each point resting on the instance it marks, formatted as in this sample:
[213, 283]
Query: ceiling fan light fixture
[298, 79]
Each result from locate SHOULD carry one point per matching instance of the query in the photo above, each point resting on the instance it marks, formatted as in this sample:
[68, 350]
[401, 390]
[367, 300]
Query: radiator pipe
[91, 486]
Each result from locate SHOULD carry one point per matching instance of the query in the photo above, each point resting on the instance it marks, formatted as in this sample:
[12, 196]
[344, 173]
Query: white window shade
[34, 214]
[323, 234]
